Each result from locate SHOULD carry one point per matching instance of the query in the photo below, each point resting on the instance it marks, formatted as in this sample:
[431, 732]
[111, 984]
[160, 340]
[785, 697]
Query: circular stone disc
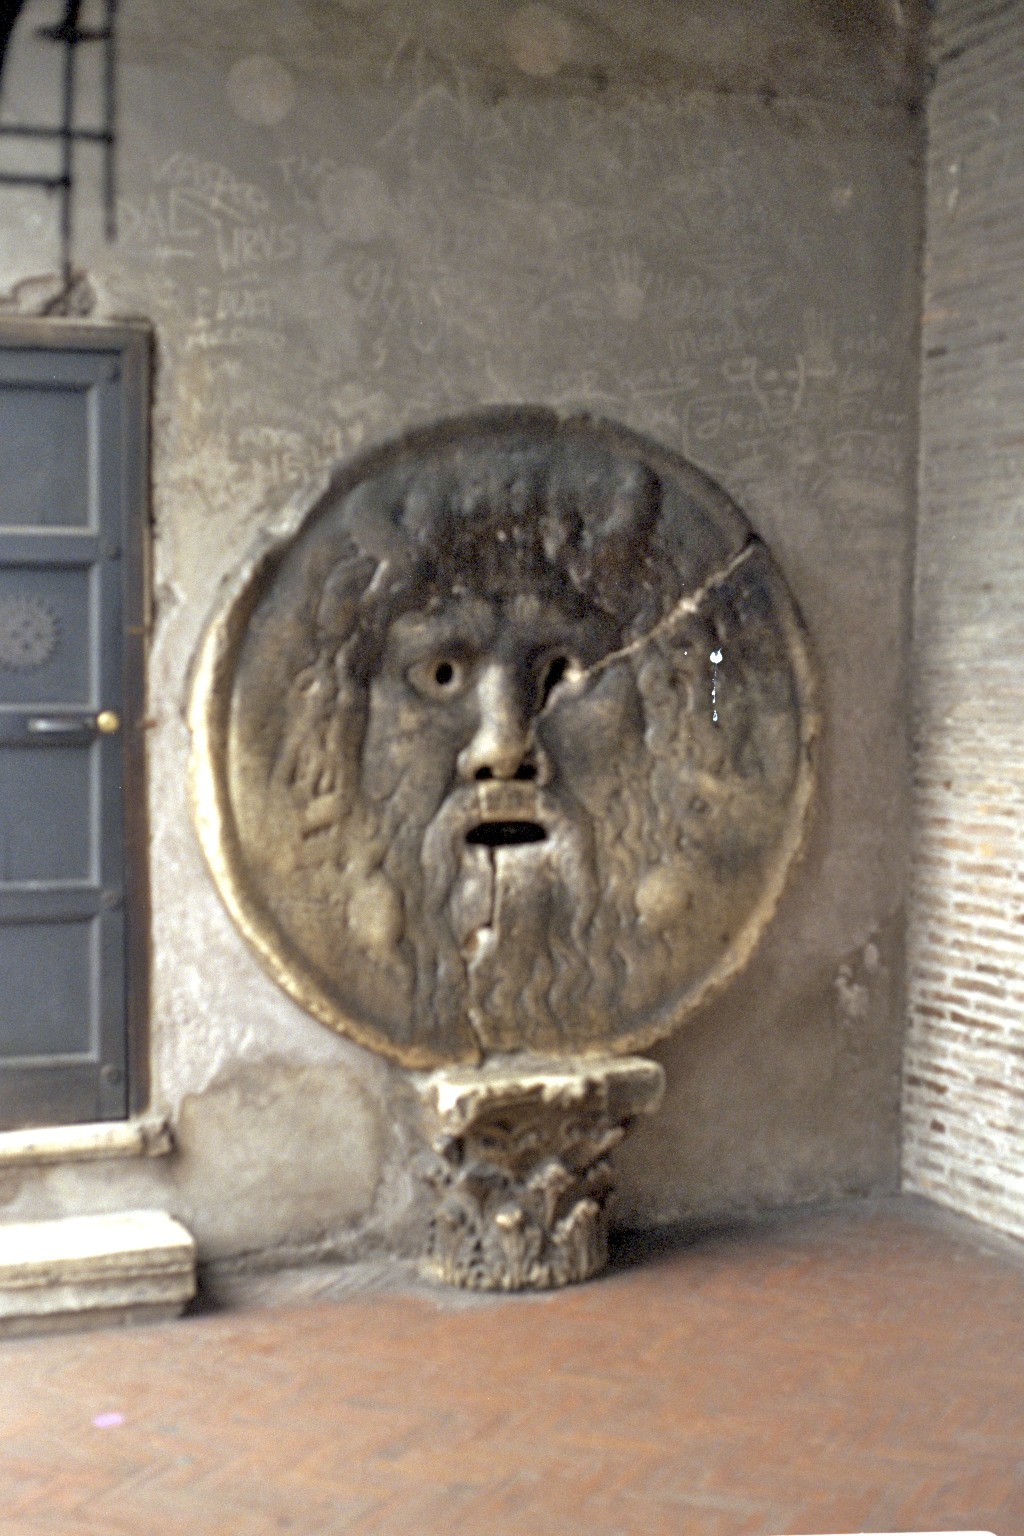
[508, 745]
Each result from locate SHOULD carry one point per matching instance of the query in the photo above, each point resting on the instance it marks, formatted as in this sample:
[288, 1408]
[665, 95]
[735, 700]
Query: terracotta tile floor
[834, 1372]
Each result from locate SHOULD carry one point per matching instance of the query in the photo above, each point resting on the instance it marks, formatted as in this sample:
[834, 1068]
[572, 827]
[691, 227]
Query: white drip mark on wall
[716, 661]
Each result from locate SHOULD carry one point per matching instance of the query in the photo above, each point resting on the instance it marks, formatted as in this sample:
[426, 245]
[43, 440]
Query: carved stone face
[507, 746]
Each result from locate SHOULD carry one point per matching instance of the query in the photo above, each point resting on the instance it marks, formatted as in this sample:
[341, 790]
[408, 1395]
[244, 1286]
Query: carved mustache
[458, 840]
[468, 812]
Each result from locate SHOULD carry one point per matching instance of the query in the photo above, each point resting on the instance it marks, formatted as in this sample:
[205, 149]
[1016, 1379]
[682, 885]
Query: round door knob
[107, 722]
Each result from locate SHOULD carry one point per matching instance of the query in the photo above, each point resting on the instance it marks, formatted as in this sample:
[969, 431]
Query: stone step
[82, 1271]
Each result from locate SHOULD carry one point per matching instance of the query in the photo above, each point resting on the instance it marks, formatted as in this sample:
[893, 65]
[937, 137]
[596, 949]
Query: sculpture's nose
[502, 745]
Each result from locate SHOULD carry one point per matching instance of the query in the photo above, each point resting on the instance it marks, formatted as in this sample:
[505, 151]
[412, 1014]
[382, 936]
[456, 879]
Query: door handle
[104, 724]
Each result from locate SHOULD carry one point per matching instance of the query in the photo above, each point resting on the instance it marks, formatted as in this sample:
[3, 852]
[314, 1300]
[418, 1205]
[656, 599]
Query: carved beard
[529, 943]
[534, 945]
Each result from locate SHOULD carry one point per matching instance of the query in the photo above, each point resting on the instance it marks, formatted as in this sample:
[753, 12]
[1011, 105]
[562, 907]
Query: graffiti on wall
[680, 264]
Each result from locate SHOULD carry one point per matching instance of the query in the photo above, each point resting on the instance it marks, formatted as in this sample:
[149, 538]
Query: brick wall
[964, 1080]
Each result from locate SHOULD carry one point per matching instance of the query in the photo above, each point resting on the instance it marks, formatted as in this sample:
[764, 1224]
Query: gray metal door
[71, 621]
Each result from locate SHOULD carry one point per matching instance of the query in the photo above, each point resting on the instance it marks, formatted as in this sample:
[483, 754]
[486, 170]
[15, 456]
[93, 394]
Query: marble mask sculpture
[507, 746]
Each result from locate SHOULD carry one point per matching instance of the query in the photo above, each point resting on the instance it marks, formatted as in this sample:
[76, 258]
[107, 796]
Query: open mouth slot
[506, 834]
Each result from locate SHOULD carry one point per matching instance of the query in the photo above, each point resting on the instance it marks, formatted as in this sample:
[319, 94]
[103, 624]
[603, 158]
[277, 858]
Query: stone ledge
[623, 1086]
[83, 1270]
[147, 1136]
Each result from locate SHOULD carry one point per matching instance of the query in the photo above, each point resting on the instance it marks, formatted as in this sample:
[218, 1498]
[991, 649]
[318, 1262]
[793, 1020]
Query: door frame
[130, 347]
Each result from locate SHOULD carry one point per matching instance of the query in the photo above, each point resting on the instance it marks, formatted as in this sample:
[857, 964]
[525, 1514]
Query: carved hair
[678, 744]
[582, 540]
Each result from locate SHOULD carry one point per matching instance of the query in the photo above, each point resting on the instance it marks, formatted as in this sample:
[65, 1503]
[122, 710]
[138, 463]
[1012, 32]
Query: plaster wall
[701, 220]
[964, 1083]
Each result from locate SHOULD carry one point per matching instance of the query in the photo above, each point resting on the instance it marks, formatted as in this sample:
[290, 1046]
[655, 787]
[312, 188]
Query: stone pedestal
[519, 1171]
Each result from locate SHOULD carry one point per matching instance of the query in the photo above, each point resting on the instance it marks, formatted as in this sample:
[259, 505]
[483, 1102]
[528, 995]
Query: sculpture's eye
[551, 674]
[439, 677]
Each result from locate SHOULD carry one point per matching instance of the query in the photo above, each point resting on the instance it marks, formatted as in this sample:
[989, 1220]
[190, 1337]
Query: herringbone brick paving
[839, 1372]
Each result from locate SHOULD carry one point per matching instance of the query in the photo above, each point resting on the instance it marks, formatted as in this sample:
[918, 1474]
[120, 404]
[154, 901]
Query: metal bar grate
[66, 132]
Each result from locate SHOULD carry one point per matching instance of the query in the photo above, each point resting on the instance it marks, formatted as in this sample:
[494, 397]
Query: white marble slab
[80, 1270]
